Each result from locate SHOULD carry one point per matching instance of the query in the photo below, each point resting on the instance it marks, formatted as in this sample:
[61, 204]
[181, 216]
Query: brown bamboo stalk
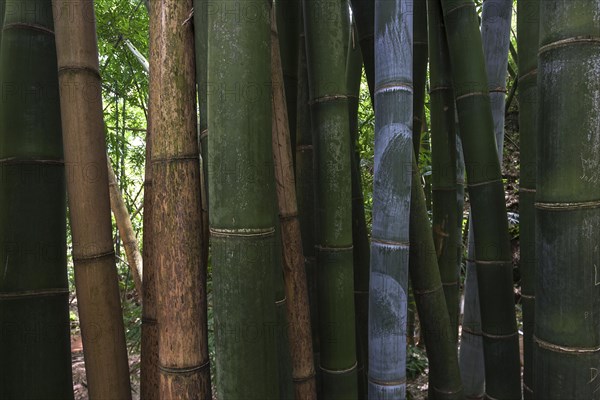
[149, 376]
[123, 220]
[294, 274]
[183, 345]
[96, 278]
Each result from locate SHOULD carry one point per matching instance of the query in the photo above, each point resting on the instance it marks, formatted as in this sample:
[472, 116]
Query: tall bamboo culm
[437, 329]
[296, 292]
[34, 293]
[149, 374]
[495, 34]
[393, 92]
[241, 201]
[492, 256]
[360, 234]
[446, 214]
[326, 60]
[183, 361]
[528, 26]
[567, 290]
[96, 279]
[419, 71]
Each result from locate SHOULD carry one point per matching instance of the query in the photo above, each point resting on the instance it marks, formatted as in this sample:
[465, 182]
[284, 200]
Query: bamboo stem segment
[96, 278]
[34, 315]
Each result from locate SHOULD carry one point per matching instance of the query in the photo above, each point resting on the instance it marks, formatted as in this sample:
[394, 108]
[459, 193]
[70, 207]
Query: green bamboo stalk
[391, 199]
[528, 42]
[34, 293]
[492, 248]
[242, 194]
[326, 59]
[96, 279]
[183, 332]
[364, 13]
[305, 190]
[360, 235]
[288, 26]
[495, 34]
[567, 331]
[437, 329]
[446, 214]
[149, 374]
[419, 71]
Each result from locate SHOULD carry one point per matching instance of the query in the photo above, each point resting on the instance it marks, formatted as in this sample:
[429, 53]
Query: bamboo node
[282, 301]
[391, 243]
[183, 370]
[333, 249]
[564, 349]
[569, 41]
[506, 336]
[529, 74]
[25, 161]
[427, 291]
[93, 257]
[394, 87]
[584, 205]
[78, 68]
[326, 98]
[306, 378]
[242, 232]
[470, 185]
[464, 96]
[35, 27]
[174, 159]
[339, 371]
[387, 383]
[33, 293]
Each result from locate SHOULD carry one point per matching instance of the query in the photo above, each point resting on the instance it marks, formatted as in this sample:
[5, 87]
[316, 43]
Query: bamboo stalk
[96, 277]
[446, 213]
[34, 291]
[492, 248]
[119, 209]
[329, 107]
[242, 208]
[528, 42]
[305, 191]
[437, 329]
[296, 292]
[360, 235]
[391, 199]
[149, 374]
[567, 332]
[183, 346]
[364, 13]
[201, 52]
[419, 71]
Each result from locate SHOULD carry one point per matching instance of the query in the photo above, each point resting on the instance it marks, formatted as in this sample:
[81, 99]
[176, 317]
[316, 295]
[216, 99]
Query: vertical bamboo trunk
[528, 42]
[296, 292]
[288, 26]
[326, 41]
[123, 220]
[305, 190]
[183, 346]
[493, 257]
[360, 235]
[242, 208]
[391, 199]
[96, 277]
[364, 13]
[419, 71]
[34, 294]
[201, 52]
[567, 290]
[446, 213]
[437, 329]
[495, 35]
[149, 375]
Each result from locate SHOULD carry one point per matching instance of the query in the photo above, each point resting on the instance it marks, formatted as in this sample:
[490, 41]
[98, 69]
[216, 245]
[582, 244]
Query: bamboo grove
[268, 268]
